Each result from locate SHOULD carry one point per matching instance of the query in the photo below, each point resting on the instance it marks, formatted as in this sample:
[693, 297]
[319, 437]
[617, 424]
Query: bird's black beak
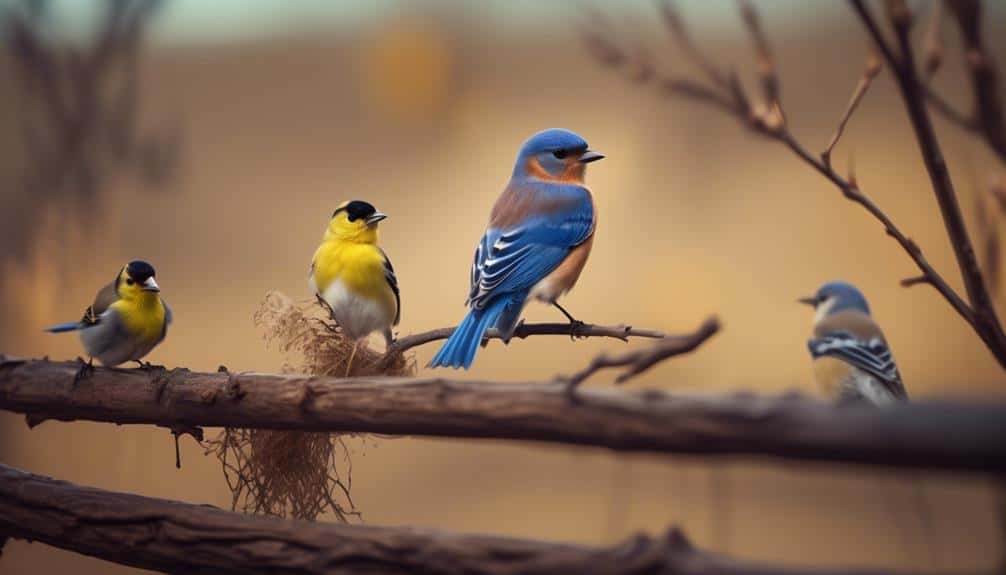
[811, 301]
[374, 218]
[590, 156]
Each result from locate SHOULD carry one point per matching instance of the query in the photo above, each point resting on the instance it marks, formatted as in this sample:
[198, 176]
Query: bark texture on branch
[925, 435]
[185, 538]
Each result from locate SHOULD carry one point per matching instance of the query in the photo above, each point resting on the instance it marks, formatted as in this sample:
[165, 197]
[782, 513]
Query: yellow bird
[127, 319]
[354, 276]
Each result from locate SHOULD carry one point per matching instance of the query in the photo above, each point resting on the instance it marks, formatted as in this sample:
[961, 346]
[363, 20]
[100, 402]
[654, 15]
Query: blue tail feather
[461, 347]
[67, 326]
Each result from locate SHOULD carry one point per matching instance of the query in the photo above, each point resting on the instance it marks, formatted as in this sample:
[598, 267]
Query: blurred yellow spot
[405, 71]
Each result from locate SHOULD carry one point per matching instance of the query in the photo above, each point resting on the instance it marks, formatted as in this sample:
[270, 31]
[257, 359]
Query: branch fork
[768, 118]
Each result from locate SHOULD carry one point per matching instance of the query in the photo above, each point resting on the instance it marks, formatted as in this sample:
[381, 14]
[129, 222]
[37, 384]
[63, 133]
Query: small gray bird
[127, 319]
[852, 361]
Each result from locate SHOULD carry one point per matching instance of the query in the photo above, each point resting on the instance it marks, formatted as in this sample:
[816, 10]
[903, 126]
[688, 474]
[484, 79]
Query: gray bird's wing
[105, 297]
[106, 339]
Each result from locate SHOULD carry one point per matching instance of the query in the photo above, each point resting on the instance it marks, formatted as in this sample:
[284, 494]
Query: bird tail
[67, 326]
[461, 347]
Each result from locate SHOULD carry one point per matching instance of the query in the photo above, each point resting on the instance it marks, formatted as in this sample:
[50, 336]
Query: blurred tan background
[420, 108]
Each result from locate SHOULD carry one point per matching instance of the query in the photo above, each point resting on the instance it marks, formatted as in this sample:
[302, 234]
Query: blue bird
[538, 239]
[852, 361]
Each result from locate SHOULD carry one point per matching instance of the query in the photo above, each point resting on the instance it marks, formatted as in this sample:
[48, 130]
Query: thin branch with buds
[985, 318]
[725, 93]
[870, 72]
[987, 117]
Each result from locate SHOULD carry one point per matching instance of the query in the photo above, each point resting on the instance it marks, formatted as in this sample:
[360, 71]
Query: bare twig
[178, 537]
[729, 96]
[915, 280]
[640, 360]
[524, 330]
[870, 71]
[78, 108]
[987, 116]
[679, 32]
[926, 435]
[763, 55]
[985, 318]
[988, 225]
[950, 113]
[933, 48]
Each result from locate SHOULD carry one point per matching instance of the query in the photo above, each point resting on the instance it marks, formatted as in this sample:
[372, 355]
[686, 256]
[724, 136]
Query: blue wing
[873, 357]
[512, 260]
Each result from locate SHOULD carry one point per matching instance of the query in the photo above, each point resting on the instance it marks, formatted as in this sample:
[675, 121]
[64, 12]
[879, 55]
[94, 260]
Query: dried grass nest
[299, 474]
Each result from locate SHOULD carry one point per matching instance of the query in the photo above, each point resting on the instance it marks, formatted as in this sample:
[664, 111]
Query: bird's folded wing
[168, 316]
[873, 357]
[515, 259]
[389, 276]
[107, 333]
[104, 298]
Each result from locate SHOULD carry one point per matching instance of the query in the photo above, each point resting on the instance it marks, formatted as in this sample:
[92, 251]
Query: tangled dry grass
[293, 473]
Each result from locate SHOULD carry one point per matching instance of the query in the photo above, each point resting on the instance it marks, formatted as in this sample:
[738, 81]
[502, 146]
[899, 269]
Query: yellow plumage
[353, 275]
[359, 266]
[127, 319]
[142, 316]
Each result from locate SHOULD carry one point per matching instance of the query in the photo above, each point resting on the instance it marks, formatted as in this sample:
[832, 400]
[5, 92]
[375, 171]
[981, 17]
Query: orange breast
[564, 277]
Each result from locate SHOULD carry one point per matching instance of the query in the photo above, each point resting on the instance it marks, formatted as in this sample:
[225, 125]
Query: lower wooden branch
[184, 538]
[926, 435]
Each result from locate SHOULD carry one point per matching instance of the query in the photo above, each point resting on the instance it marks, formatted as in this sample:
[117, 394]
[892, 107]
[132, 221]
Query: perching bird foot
[324, 304]
[576, 330]
[85, 370]
[147, 366]
[575, 325]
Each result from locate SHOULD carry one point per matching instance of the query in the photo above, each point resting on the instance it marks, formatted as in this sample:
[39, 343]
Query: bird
[353, 276]
[126, 321]
[537, 241]
[852, 361]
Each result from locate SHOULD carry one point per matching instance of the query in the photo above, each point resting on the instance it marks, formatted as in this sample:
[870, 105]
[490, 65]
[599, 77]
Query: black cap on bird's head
[357, 210]
[139, 272]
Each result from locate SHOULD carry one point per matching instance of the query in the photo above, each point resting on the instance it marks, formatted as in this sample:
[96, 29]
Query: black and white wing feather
[872, 357]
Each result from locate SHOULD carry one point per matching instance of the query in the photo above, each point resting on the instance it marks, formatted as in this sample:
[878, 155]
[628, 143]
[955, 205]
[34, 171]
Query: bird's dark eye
[560, 154]
[129, 281]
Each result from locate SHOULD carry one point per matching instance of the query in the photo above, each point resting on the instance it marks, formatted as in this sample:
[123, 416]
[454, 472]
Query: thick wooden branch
[924, 435]
[180, 537]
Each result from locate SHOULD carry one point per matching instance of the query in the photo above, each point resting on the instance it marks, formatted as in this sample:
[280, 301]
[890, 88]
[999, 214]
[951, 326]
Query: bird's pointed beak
[151, 285]
[809, 300]
[590, 156]
[375, 217]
